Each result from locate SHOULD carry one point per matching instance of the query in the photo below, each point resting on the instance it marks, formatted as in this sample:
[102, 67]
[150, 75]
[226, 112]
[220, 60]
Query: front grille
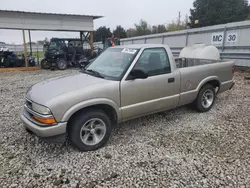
[50, 55]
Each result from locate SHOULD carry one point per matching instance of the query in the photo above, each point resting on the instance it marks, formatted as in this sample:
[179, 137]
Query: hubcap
[62, 64]
[93, 131]
[207, 98]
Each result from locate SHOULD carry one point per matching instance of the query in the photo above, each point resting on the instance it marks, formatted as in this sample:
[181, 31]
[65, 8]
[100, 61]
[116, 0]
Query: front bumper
[49, 133]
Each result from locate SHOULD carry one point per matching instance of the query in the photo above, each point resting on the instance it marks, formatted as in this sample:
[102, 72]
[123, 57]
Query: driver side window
[154, 61]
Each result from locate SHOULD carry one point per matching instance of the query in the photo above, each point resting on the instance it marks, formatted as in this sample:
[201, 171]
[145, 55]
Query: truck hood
[46, 90]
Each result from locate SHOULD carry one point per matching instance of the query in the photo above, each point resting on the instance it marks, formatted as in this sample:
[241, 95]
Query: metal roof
[60, 14]
[11, 19]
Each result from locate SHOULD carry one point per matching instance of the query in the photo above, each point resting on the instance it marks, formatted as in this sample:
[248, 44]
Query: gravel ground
[180, 148]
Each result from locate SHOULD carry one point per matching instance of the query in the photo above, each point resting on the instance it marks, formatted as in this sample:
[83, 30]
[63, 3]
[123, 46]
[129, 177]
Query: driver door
[157, 92]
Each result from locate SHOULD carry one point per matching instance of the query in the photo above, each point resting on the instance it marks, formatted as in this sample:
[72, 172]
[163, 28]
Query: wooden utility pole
[179, 19]
[25, 50]
[30, 43]
[92, 42]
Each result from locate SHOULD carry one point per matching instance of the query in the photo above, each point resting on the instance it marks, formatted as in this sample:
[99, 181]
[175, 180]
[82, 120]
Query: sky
[124, 13]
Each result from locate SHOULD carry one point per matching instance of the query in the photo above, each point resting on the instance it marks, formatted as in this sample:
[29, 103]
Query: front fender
[89, 103]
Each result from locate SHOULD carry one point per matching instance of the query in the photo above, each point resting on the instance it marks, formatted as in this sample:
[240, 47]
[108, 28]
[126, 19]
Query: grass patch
[40, 54]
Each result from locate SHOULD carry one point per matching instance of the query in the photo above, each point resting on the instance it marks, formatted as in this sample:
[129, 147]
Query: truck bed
[195, 72]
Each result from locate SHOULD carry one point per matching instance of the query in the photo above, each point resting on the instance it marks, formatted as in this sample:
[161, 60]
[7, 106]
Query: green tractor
[64, 52]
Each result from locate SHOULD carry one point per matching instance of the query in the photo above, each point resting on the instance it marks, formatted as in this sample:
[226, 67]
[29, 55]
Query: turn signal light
[45, 120]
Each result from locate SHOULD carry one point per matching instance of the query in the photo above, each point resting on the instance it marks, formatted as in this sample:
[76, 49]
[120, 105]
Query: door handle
[171, 80]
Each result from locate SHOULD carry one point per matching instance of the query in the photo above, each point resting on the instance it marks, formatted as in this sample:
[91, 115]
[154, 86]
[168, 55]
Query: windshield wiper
[93, 72]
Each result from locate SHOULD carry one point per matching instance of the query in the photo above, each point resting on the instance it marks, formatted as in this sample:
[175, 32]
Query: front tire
[45, 64]
[205, 99]
[62, 64]
[90, 130]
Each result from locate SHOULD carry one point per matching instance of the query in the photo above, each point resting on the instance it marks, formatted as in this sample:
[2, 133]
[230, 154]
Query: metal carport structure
[38, 21]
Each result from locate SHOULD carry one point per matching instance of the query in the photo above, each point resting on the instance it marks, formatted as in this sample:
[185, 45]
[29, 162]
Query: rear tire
[205, 99]
[45, 64]
[62, 64]
[89, 130]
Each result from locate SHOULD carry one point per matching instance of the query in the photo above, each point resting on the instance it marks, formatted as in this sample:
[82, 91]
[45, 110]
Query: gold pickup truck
[123, 83]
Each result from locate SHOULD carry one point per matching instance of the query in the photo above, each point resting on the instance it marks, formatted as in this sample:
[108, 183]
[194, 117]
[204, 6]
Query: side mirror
[138, 74]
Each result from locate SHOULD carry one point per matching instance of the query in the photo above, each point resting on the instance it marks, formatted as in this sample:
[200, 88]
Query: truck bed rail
[190, 62]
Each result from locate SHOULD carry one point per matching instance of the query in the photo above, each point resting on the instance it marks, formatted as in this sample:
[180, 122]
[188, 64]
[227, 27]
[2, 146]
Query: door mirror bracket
[137, 74]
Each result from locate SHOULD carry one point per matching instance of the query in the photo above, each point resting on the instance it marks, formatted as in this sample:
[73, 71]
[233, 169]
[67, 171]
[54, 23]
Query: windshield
[53, 45]
[56, 45]
[113, 62]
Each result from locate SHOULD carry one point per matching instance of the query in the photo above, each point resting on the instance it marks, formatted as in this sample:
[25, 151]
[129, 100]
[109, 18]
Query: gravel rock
[36, 175]
[91, 185]
[13, 185]
[108, 156]
[247, 77]
[179, 148]
[114, 175]
[57, 182]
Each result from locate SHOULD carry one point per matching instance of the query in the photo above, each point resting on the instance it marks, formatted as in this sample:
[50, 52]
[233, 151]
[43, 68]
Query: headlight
[40, 109]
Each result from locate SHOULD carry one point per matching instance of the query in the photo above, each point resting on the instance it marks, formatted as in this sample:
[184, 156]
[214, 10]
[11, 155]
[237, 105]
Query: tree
[154, 29]
[102, 32]
[162, 29]
[131, 32]
[213, 12]
[158, 29]
[248, 17]
[42, 42]
[119, 32]
[175, 27]
[178, 24]
[142, 28]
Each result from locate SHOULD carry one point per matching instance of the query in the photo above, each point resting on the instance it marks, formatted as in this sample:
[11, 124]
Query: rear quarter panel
[193, 78]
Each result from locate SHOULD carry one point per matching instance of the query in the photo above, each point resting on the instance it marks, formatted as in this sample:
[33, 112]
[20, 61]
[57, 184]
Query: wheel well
[214, 83]
[109, 110]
